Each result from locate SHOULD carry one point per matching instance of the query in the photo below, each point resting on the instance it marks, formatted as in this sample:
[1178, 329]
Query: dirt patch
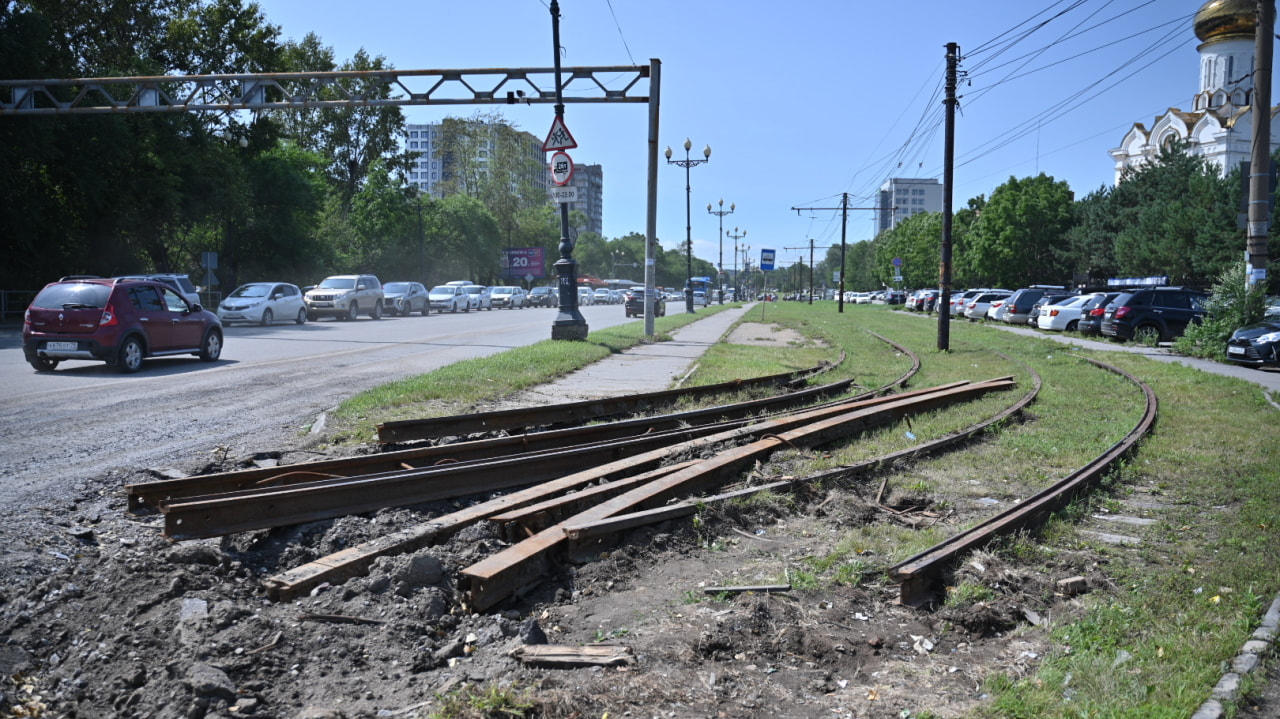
[769, 335]
[103, 617]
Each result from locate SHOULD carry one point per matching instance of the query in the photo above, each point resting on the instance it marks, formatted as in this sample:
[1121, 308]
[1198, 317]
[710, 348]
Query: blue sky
[804, 100]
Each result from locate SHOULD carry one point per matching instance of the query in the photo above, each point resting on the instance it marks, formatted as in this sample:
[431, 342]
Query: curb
[1246, 662]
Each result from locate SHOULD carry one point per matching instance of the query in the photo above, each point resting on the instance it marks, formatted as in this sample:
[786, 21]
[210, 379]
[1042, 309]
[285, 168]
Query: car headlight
[1268, 337]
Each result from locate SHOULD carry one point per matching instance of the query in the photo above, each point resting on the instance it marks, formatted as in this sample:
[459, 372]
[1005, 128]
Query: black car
[1156, 314]
[634, 304]
[1091, 313]
[543, 297]
[1258, 344]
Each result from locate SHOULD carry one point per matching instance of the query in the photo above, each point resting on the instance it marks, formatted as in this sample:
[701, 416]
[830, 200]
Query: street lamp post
[687, 163]
[737, 295]
[720, 269]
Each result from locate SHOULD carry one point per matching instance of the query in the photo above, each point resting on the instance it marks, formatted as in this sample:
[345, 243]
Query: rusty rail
[523, 418]
[147, 496]
[919, 574]
[274, 506]
[509, 571]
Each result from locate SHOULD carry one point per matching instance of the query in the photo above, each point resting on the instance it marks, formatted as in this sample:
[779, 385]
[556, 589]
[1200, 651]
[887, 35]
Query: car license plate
[62, 346]
[1233, 350]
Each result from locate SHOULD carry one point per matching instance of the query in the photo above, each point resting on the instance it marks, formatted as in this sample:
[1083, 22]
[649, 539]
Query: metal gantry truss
[310, 90]
[637, 84]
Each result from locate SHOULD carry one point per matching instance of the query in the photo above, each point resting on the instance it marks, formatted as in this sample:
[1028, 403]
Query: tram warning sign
[561, 168]
[559, 138]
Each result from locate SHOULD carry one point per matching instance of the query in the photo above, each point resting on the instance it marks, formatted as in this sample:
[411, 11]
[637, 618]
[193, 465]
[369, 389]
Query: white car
[602, 297]
[586, 296]
[980, 304]
[262, 303]
[509, 297]
[1065, 315]
[449, 298]
[479, 297]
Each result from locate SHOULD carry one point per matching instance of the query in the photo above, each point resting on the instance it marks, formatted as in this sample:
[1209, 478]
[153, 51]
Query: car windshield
[337, 283]
[474, 290]
[396, 287]
[252, 291]
[442, 290]
[502, 290]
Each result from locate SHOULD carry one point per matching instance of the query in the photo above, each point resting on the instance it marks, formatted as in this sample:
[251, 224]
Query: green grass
[1174, 608]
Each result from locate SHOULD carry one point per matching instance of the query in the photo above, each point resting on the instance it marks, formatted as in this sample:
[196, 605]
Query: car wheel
[312, 317]
[211, 348]
[44, 364]
[467, 308]
[1073, 325]
[129, 359]
[302, 317]
[1146, 334]
[353, 310]
[267, 318]
[426, 309]
[377, 311]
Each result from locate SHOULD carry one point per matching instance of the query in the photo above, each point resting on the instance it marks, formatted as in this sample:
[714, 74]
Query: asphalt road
[270, 385]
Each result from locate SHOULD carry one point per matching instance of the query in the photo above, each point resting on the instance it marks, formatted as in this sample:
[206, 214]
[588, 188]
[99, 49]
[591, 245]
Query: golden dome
[1223, 19]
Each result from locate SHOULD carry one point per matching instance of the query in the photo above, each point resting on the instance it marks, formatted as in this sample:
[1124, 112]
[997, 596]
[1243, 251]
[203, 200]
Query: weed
[968, 594]
[470, 702]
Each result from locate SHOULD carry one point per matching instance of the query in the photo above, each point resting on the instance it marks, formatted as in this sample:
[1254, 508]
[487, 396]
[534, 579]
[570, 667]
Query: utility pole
[1260, 158]
[948, 183]
[844, 228]
[810, 267]
[737, 295]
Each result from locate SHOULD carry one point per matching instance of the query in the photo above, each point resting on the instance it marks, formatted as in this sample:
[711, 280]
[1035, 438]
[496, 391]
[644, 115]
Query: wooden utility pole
[1260, 159]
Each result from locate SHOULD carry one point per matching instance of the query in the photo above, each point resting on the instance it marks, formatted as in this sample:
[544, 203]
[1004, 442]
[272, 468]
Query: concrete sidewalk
[643, 368]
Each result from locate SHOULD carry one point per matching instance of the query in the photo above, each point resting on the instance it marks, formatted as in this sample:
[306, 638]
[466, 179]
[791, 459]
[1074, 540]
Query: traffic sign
[561, 168]
[559, 138]
[897, 262]
[766, 260]
[567, 193]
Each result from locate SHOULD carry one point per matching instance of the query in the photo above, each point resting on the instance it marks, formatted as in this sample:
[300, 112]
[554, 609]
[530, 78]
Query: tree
[1020, 236]
[915, 241]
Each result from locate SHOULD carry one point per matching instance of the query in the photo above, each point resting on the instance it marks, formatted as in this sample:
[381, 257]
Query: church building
[1219, 126]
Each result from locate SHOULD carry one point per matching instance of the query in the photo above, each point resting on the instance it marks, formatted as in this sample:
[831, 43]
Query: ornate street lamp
[720, 269]
[737, 295]
[686, 163]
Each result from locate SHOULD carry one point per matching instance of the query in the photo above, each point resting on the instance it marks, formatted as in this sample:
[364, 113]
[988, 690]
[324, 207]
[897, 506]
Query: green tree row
[1176, 217]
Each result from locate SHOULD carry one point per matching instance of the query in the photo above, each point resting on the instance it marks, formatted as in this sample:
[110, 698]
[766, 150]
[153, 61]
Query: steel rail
[619, 523]
[919, 574]
[506, 573]
[565, 413]
[266, 507]
[147, 496]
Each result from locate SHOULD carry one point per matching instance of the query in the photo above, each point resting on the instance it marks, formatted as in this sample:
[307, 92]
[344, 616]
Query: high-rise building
[432, 170]
[902, 197]
[589, 179]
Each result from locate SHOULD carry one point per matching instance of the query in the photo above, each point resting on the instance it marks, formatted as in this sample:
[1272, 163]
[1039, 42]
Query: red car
[117, 321]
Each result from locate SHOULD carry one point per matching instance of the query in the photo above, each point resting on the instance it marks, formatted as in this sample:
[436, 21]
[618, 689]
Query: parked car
[895, 297]
[345, 297]
[479, 297]
[405, 298]
[181, 283]
[260, 303]
[117, 321]
[978, 306]
[543, 297]
[1155, 314]
[1017, 309]
[1092, 311]
[634, 304]
[1063, 315]
[1258, 344]
[449, 298]
[509, 297]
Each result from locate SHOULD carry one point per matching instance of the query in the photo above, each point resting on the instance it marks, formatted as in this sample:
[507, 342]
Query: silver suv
[345, 297]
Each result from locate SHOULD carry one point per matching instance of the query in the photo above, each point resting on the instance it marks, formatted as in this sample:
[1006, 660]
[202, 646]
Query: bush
[1231, 305]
